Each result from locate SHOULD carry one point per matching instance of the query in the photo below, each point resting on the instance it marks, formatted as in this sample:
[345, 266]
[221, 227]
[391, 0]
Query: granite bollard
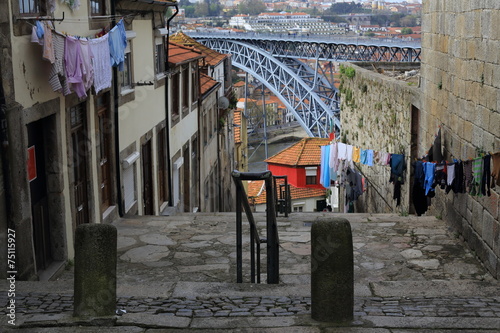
[332, 270]
[95, 270]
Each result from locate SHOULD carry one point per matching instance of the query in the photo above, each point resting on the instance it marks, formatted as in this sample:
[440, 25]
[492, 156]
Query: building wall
[376, 114]
[461, 91]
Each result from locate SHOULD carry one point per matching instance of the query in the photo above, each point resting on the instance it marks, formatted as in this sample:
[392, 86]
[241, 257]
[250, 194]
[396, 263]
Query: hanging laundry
[495, 173]
[57, 75]
[349, 153]
[369, 157]
[418, 195]
[486, 181]
[117, 45]
[398, 166]
[356, 154]
[325, 168]
[87, 60]
[48, 45]
[429, 169]
[74, 66]
[333, 162]
[342, 151]
[450, 176]
[102, 69]
[477, 176]
[459, 182]
[467, 175]
[440, 176]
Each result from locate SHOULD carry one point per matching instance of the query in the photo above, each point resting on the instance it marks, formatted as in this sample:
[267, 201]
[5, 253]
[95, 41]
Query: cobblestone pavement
[269, 306]
[183, 267]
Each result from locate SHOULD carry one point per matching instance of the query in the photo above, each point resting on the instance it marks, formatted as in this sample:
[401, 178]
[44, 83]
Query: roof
[212, 57]
[239, 84]
[259, 197]
[179, 54]
[237, 129]
[305, 152]
[207, 83]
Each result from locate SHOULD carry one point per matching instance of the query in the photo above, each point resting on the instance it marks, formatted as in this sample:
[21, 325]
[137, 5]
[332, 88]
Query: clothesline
[78, 63]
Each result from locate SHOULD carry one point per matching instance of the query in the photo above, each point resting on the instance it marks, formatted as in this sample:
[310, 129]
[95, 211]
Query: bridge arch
[314, 112]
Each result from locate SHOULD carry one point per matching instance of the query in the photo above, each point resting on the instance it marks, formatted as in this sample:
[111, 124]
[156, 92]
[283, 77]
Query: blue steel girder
[314, 113]
[337, 52]
[326, 48]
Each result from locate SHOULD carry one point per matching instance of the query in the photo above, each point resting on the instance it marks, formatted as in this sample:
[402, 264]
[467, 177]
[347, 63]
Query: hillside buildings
[88, 142]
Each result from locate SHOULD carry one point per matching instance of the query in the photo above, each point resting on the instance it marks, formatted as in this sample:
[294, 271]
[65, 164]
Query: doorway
[81, 153]
[147, 179]
[37, 177]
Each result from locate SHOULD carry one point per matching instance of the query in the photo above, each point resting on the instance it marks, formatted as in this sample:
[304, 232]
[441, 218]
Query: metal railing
[271, 240]
[283, 198]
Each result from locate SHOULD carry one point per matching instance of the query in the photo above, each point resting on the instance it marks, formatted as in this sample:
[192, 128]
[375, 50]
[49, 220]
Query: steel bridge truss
[337, 51]
[307, 94]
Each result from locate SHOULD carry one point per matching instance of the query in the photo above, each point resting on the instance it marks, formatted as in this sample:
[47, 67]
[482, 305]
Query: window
[104, 138]
[185, 88]
[126, 79]
[32, 7]
[175, 94]
[160, 56]
[298, 209]
[97, 7]
[311, 173]
[126, 76]
[195, 82]
[311, 180]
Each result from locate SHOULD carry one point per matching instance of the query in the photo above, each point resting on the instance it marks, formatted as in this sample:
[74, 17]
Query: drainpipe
[4, 141]
[121, 210]
[167, 135]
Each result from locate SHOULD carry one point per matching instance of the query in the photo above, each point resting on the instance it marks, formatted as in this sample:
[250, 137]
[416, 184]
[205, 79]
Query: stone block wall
[461, 92]
[376, 114]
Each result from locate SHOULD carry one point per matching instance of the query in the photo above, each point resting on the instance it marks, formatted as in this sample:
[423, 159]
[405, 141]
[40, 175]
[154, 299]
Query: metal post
[265, 121]
[272, 236]
[239, 254]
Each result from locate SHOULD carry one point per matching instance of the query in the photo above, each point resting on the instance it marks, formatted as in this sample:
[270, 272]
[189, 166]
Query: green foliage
[369, 34]
[347, 71]
[364, 88]
[406, 31]
[346, 8]
[440, 85]
[251, 7]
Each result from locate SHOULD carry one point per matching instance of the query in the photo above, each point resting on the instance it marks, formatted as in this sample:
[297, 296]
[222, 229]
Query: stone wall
[460, 85]
[376, 114]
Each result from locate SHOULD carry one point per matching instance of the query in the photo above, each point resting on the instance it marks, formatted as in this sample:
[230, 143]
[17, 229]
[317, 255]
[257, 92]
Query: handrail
[283, 199]
[374, 187]
[272, 240]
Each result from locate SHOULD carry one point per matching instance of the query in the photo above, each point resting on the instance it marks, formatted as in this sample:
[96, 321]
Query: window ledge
[161, 76]
[126, 91]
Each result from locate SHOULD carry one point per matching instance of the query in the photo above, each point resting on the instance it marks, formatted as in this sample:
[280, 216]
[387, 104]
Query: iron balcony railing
[272, 240]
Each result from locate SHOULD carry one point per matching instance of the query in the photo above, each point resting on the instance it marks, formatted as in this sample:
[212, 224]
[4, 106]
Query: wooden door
[80, 152]
[147, 181]
[104, 148]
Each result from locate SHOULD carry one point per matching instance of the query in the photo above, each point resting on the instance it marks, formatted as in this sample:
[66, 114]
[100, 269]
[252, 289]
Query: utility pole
[265, 120]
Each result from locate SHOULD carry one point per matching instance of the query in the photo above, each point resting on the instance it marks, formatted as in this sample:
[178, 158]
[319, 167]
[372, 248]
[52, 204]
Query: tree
[252, 7]
[408, 21]
[406, 31]
[201, 9]
[346, 8]
[369, 34]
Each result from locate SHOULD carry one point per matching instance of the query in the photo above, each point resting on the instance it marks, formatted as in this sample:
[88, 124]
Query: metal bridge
[275, 60]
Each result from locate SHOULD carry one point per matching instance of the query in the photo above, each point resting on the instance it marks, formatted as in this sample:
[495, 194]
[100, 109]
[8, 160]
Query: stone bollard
[95, 270]
[332, 270]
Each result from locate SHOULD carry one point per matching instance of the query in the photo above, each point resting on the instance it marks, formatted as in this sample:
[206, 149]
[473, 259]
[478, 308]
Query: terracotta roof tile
[212, 57]
[179, 54]
[255, 187]
[305, 152]
[206, 83]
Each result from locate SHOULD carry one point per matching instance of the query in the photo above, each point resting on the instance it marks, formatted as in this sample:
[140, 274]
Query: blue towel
[429, 170]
